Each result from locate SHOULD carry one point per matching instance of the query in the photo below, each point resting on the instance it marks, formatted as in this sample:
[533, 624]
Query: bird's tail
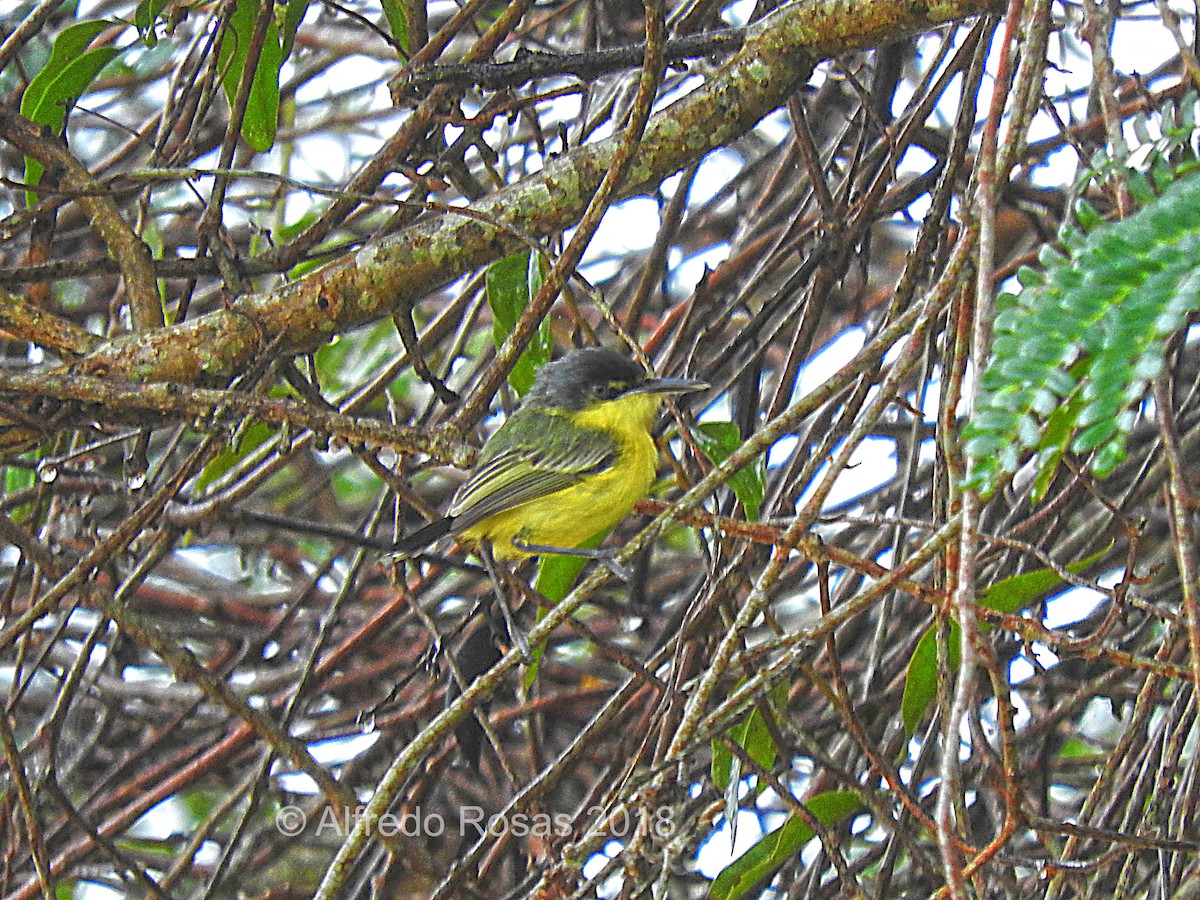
[412, 544]
[477, 653]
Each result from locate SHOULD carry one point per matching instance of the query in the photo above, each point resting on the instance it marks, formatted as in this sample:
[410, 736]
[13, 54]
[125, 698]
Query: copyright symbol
[290, 821]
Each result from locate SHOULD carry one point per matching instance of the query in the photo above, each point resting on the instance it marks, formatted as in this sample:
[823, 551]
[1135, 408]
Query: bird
[566, 466]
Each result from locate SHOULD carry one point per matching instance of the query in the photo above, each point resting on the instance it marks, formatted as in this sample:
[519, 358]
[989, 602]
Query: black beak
[669, 386]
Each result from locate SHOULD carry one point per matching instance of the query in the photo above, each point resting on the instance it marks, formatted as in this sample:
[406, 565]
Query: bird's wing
[518, 469]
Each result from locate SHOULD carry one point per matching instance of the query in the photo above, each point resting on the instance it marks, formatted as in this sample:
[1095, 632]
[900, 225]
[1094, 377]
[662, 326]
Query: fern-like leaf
[1073, 352]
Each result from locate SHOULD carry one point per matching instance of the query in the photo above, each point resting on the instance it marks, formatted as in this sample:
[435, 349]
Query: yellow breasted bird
[567, 465]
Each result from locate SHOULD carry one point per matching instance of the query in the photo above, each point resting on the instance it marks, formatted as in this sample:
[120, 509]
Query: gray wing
[515, 470]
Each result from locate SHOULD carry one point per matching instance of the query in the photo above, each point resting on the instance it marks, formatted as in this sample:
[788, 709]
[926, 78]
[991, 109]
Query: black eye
[605, 390]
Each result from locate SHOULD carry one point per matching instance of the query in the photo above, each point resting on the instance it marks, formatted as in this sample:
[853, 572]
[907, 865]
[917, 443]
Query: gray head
[596, 374]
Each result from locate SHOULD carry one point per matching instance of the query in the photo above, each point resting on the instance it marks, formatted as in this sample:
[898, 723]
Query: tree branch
[384, 278]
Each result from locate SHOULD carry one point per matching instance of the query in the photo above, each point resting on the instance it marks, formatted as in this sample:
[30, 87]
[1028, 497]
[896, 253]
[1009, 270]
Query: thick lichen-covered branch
[384, 278]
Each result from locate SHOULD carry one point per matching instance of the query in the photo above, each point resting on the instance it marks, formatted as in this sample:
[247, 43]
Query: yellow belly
[569, 517]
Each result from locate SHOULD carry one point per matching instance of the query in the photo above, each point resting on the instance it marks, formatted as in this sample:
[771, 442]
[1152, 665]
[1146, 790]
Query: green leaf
[285, 233]
[920, 681]
[719, 440]
[753, 736]
[1017, 592]
[65, 77]
[199, 804]
[347, 357]
[1094, 435]
[397, 19]
[262, 106]
[1108, 457]
[68, 46]
[252, 437]
[18, 478]
[146, 17]
[1008, 595]
[557, 574]
[293, 15]
[778, 847]
[511, 283]
[1074, 748]
[1109, 304]
[70, 84]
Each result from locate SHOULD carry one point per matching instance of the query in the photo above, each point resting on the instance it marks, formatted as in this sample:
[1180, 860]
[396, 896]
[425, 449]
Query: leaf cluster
[1076, 347]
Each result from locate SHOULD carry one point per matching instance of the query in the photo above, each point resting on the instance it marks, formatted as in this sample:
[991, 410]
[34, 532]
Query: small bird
[566, 466]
